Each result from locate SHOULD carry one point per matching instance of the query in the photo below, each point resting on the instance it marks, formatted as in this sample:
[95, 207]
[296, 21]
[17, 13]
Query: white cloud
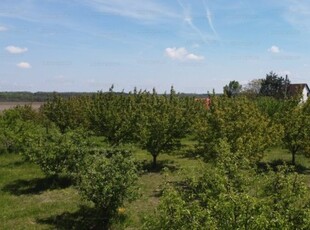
[16, 50]
[274, 49]
[182, 54]
[194, 57]
[3, 28]
[24, 65]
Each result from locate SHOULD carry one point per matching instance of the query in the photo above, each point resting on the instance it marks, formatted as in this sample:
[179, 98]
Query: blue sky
[196, 46]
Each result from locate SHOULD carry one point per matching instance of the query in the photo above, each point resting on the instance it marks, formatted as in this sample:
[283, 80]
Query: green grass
[276, 156]
[25, 198]
[29, 200]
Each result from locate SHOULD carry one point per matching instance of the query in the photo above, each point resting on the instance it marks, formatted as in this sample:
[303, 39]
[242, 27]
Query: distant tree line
[46, 96]
[36, 97]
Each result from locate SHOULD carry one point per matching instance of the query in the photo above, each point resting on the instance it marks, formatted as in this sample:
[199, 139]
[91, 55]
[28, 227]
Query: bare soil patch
[9, 105]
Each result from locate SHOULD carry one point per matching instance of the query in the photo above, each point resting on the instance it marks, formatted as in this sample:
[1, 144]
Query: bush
[15, 124]
[231, 195]
[239, 121]
[55, 152]
[108, 180]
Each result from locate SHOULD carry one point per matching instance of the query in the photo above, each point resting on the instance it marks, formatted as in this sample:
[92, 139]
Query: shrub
[230, 195]
[108, 180]
[15, 124]
[239, 121]
[55, 152]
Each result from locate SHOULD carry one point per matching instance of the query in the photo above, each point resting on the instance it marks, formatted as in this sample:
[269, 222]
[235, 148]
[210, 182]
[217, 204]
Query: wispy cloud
[274, 49]
[209, 17]
[145, 10]
[299, 7]
[3, 28]
[182, 54]
[16, 50]
[24, 65]
[297, 13]
[189, 21]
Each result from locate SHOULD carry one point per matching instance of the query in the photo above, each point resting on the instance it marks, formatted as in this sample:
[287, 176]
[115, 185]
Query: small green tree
[232, 89]
[15, 123]
[274, 86]
[55, 152]
[296, 124]
[114, 116]
[66, 113]
[108, 180]
[241, 123]
[162, 123]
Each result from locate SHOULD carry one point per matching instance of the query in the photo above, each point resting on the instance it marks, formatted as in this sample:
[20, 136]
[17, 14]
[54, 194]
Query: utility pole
[285, 90]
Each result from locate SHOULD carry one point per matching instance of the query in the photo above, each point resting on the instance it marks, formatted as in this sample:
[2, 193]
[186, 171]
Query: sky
[193, 45]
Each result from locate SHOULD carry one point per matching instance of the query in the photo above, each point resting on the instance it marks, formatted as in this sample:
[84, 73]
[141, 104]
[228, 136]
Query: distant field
[8, 105]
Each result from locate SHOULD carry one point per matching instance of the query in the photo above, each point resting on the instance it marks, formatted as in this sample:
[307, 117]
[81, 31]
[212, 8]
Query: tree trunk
[293, 158]
[154, 160]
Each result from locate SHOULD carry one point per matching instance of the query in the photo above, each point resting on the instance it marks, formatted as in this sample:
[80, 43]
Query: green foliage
[240, 122]
[55, 152]
[164, 120]
[275, 108]
[15, 124]
[175, 213]
[232, 89]
[286, 200]
[274, 86]
[108, 180]
[296, 124]
[66, 113]
[155, 122]
[114, 116]
[231, 195]
[233, 132]
[269, 105]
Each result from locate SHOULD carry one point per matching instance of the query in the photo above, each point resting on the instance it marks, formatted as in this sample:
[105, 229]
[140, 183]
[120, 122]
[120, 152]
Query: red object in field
[206, 101]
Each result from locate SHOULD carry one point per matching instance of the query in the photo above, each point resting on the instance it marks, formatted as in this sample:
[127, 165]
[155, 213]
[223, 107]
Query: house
[299, 90]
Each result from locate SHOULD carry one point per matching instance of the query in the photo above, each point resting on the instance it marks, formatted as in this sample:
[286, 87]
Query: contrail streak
[209, 17]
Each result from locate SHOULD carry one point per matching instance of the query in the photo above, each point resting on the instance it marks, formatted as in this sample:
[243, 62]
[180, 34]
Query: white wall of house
[305, 93]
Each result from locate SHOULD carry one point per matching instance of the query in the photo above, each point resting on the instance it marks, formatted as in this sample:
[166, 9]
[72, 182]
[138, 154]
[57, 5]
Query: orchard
[96, 142]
